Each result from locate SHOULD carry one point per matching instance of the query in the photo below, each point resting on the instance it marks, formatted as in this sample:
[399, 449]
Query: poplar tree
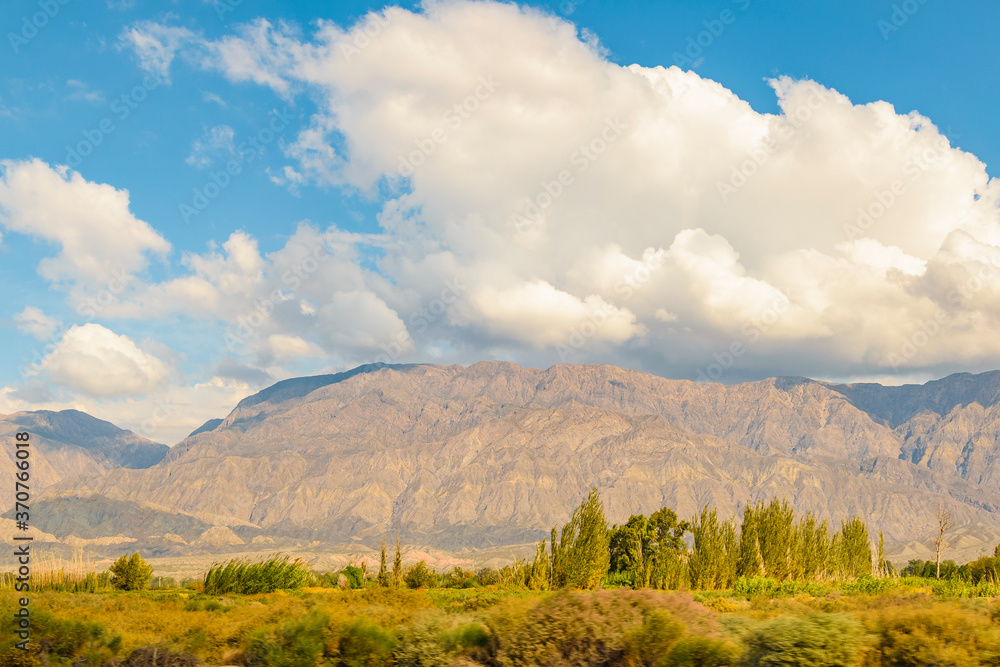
[397, 565]
[584, 545]
[383, 575]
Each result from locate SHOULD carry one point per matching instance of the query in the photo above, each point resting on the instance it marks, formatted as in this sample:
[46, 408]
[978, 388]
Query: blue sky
[79, 80]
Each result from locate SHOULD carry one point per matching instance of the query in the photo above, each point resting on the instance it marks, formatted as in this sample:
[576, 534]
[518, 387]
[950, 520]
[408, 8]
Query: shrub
[986, 568]
[355, 576]
[868, 585]
[419, 576]
[130, 573]
[580, 628]
[57, 641]
[297, 643]
[365, 644]
[940, 634]
[701, 652]
[433, 641]
[753, 586]
[817, 640]
[652, 640]
[247, 578]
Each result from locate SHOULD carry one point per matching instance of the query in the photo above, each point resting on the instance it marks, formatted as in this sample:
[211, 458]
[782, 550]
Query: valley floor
[912, 623]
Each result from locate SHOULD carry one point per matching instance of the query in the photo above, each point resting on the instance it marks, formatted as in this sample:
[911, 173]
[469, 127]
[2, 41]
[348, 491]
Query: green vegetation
[249, 577]
[768, 589]
[130, 573]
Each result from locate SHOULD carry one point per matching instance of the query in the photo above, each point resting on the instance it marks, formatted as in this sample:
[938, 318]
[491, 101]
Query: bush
[355, 576]
[817, 640]
[419, 576]
[702, 652]
[986, 569]
[577, 628]
[753, 586]
[297, 643]
[433, 641]
[130, 573]
[941, 634]
[869, 585]
[365, 644]
[247, 578]
[652, 640]
[56, 641]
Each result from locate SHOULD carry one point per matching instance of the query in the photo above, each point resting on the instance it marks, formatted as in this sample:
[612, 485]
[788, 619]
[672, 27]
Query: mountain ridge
[482, 455]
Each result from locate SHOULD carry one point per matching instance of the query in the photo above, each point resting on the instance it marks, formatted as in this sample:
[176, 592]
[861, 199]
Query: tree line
[651, 552]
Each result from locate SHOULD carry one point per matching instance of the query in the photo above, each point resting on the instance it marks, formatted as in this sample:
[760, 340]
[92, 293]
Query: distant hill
[70, 443]
[495, 454]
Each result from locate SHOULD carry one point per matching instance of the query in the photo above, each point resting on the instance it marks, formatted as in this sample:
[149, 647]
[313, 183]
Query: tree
[649, 550]
[419, 576]
[131, 573]
[584, 544]
[713, 561]
[397, 566]
[538, 577]
[945, 523]
[383, 575]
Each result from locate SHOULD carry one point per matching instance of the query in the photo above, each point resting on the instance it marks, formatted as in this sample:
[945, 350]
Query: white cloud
[659, 194]
[216, 142]
[156, 45]
[35, 323]
[98, 234]
[97, 362]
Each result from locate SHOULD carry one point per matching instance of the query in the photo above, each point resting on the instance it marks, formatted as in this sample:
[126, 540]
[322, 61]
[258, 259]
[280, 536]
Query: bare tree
[945, 523]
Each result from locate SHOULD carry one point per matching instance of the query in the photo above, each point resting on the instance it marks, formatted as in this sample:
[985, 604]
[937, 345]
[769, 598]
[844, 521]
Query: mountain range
[496, 454]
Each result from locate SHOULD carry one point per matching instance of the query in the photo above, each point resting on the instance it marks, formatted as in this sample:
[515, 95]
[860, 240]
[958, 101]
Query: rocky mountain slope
[69, 443]
[494, 453]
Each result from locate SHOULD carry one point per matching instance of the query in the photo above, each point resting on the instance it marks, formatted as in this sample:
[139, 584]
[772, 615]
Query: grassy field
[908, 623]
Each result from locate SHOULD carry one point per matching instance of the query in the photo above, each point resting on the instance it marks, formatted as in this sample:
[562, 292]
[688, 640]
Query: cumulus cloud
[35, 323]
[98, 235]
[553, 183]
[97, 362]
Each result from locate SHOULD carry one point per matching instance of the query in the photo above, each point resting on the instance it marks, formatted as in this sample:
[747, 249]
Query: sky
[199, 198]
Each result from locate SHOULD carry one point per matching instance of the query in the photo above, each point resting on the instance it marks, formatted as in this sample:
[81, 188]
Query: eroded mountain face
[494, 453]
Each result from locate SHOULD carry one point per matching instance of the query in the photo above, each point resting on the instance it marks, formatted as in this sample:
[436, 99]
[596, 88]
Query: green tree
[131, 573]
[649, 550]
[383, 574]
[852, 550]
[538, 577]
[419, 575]
[714, 559]
[397, 566]
[583, 555]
